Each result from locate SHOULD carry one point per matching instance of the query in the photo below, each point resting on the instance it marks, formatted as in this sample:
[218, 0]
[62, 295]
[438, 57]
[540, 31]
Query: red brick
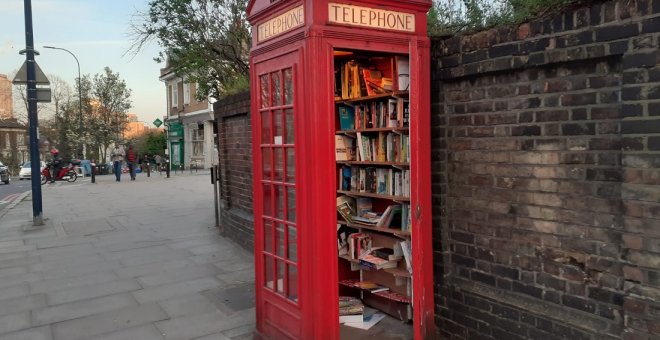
[631, 241]
[633, 273]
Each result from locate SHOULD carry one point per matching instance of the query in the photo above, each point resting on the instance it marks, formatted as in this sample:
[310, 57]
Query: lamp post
[80, 150]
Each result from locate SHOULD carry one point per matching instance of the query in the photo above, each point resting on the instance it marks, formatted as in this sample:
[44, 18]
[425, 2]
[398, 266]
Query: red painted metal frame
[309, 50]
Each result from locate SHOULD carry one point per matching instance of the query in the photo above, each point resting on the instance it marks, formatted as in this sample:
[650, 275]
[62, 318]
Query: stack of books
[351, 309]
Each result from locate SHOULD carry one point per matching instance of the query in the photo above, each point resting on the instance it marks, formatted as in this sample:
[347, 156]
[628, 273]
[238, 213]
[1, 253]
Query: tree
[152, 143]
[108, 100]
[207, 41]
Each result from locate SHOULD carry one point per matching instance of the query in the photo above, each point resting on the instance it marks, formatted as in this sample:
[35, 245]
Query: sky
[97, 32]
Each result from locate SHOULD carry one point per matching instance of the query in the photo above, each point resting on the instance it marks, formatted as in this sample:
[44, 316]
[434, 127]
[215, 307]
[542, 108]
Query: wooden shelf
[396, 94]
[393, 164]
[388, 294]
[372, 195]
[394, 271]
[382, 129]
[396, 232]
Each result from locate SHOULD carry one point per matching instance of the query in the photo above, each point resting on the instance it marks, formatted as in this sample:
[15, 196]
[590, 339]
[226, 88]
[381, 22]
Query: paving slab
[146, 332]
[67, 282]
[164, 292]
[14, 322]
[190, 304]
[90, 326]
[92, 291]
[151, 268]
[21, 304]
[14, 291]
[79, 309]
[204, 324]
[36, 333]
[172, 275]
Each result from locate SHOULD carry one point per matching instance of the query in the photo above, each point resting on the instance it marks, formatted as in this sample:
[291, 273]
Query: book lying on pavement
[370, 319]
[351, 309]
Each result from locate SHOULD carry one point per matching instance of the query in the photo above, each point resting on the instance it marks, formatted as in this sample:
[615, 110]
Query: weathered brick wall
[235, 153]
[546, 157]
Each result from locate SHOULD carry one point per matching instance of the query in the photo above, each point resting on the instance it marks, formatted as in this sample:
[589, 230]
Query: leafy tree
[108, 101]
[152, 143]
[206, 41]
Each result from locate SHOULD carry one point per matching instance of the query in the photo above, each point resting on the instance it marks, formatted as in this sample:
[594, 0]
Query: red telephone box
[310, 59]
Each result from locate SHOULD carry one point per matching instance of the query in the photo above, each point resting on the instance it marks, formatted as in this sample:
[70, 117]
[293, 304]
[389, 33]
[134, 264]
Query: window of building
[198, 142]
[186, 94]
[175, 94]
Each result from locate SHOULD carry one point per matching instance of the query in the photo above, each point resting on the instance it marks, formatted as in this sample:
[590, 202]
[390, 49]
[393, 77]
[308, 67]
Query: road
[10, 191]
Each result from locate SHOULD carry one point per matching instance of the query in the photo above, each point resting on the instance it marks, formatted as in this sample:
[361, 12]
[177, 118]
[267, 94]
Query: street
[12, 190]
[122, 260]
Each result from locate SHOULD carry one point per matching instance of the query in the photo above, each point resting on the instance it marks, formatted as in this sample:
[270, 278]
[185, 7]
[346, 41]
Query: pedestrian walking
[158, 160]
[131, 157]
[118, 155]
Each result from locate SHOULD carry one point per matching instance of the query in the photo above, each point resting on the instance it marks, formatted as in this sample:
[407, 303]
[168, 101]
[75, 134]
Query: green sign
[176, 129]
[158, 122]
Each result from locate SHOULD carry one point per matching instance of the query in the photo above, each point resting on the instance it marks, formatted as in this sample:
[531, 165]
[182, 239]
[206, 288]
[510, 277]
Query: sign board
[158, 122]
[43, 95]
[281, 24]
[371, 17]
[21, 75]
[175, 130]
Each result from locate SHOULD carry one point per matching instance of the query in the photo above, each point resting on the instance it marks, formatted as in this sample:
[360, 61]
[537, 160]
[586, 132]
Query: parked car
[26, 170]
[4, 173]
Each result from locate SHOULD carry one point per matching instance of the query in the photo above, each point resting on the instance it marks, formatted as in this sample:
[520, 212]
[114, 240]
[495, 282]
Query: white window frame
[186, 93]
[175, 94]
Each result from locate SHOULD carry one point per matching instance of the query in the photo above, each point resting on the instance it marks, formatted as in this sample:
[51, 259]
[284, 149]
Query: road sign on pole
[158, 122]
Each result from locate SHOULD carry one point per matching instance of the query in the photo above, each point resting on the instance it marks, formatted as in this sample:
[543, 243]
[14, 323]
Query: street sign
[158, 122]
[21, 75]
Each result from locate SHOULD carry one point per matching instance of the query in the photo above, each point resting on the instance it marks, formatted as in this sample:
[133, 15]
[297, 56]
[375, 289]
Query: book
[373, 81]
[346, 117]
[387, 254]
[351, 309]
[367, 322]
[343, 233]
[346, 207]
[359, 245]
[373, 262]
[369, 286]
[344, 148]
[345, 178]
[407, 254]
[363, 205]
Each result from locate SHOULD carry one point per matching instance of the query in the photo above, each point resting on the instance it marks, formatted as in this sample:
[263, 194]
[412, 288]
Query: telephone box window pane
[292, 291]
[265, 128]
[290, 165]
[279, 164]
[280, 276]
[279, 233]
[288, 86]
[267, 162]
[291, 204]
[278, 138]
[268, 200]
[288, 123]
[268, 236]
[264, 91]
[279, 201]
[268, 272]
[277, 89]
[293, 244]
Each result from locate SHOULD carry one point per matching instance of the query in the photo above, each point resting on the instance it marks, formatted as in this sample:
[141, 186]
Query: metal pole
[37, 212]
[80, 116]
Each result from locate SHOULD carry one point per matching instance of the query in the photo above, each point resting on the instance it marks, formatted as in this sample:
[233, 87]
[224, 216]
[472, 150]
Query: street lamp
[80, 119]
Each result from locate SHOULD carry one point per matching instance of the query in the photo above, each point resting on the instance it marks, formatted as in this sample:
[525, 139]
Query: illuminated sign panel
[371, 17]
[281, 24]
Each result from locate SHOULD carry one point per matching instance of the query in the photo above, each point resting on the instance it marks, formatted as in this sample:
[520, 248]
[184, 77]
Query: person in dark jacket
[131, 158]
[55, 164]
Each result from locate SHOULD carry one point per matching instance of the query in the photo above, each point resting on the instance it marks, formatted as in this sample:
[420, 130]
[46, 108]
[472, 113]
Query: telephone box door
[277, 228]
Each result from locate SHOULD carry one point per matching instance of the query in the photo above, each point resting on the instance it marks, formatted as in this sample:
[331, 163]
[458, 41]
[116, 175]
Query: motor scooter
[66, 173]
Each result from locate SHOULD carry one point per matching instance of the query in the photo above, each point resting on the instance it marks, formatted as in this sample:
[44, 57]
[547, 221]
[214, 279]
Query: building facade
[190, 123]
[6, 103]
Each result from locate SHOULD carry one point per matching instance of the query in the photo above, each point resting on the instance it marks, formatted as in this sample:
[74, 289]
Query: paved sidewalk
[123, 260]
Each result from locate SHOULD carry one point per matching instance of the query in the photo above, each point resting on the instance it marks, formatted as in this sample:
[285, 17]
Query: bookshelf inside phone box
[330, 77]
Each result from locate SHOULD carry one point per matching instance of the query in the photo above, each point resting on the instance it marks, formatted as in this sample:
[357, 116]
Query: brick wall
[546, 158]
[235, 153]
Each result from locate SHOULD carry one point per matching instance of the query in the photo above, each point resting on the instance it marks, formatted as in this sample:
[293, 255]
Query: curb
[13, 203]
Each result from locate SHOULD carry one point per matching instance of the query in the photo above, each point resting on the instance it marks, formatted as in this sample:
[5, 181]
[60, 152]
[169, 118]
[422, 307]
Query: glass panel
[265, 128]
[293, 247]
[268, 236]
[278, 134]
[288, 123]
[277, 89]
[279, 233]
[267, 161]
[291, 204]
[293, 283]
[279, 164]
[268, 200]
[279, 201]
[268, 272]
[290, 165]
[288, 86]
[264, 91]
[280, 277]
